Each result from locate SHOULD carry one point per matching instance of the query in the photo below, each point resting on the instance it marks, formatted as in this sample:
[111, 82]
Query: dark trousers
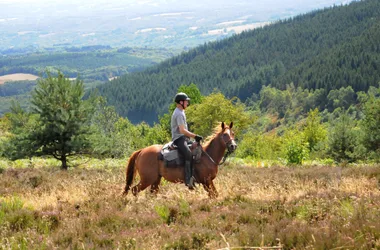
[186, 152]
[181, 143]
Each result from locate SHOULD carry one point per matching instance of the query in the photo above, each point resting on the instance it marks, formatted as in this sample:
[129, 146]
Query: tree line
[61, 123]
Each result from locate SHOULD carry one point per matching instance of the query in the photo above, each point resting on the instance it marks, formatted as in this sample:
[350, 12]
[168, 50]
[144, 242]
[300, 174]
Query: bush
[262, 146]
[296, 152]
[294, 147]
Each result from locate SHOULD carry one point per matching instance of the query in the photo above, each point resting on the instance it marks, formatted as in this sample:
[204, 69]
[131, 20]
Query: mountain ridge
[274, 55]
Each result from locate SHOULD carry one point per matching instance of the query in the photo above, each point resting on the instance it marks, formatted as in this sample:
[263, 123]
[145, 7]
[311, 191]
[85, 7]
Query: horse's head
[228, 137]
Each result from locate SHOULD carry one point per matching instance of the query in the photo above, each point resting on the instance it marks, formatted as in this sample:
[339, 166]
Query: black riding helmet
[181, 97]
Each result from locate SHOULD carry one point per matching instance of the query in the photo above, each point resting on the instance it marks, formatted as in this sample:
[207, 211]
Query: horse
[151, 169]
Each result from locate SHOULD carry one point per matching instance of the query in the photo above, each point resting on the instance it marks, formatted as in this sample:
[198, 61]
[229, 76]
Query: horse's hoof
[134, 191]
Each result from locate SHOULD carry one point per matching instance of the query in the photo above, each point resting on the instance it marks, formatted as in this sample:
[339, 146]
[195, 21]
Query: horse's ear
[222, 125]
[231, 124]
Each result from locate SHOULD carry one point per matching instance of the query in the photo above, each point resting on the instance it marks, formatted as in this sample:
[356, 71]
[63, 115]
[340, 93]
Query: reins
[224, 157]
[223, 160]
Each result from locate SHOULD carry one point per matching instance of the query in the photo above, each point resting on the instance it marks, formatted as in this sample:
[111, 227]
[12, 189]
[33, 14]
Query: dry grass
[17, 77]
[315, 207]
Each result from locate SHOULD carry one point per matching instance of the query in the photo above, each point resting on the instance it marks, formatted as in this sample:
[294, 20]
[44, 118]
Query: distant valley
[93, 64]
[154, 24]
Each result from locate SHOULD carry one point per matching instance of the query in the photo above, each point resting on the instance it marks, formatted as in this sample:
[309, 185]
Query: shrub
[184, 208]
[261, 146]
[167, 214]
[295, 148]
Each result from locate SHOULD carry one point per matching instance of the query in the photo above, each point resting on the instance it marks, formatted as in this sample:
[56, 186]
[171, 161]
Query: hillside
[326, 49]
[93, 64]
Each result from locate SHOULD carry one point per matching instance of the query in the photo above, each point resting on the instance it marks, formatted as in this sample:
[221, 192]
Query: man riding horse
[181, 135]
[150, 165]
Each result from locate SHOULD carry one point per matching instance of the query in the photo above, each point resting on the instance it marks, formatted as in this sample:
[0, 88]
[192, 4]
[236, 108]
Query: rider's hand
[198, 138]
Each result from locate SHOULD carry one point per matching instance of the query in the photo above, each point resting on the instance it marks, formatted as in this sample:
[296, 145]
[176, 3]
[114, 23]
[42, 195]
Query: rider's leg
[184, 149]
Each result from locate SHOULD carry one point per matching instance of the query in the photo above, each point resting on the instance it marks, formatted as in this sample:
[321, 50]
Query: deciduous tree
[314, 131]
[216, 108]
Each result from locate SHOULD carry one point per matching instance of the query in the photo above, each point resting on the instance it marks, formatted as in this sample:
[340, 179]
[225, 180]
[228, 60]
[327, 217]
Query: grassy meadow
[304, 207]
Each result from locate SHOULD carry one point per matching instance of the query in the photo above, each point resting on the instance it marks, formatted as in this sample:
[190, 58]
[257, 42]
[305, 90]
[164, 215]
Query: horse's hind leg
[155, 186]
[139, 187]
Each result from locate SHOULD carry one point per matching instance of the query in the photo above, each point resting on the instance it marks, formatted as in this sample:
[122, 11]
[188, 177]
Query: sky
[25, 22]
[182, 2]
[55, 8]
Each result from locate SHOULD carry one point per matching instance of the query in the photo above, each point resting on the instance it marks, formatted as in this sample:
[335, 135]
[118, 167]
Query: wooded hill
[324, 50]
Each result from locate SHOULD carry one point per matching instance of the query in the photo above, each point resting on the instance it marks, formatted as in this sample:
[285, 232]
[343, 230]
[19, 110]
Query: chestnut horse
[145, 161]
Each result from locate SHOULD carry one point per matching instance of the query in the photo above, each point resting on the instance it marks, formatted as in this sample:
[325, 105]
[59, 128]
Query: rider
[181, 135]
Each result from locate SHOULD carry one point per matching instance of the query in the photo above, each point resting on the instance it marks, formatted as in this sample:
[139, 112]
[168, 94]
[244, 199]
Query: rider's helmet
[181, 97]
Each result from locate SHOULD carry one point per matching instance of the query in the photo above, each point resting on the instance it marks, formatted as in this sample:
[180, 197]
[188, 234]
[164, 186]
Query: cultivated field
[237, 29]
[309, 207]
[17, 77]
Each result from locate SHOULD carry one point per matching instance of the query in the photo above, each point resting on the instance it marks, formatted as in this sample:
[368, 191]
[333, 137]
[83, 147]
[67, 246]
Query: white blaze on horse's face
[229, 139]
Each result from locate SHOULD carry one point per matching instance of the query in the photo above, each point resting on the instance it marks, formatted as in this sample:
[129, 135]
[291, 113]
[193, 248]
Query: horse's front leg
[210, 188]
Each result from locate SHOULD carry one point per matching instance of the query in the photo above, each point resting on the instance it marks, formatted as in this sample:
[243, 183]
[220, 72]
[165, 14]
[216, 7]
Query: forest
[319, 52]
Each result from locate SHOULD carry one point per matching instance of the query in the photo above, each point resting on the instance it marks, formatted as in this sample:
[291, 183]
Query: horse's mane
[216, 131]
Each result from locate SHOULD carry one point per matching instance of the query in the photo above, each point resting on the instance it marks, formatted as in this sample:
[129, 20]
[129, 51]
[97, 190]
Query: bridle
[228, 143]
[228, 152]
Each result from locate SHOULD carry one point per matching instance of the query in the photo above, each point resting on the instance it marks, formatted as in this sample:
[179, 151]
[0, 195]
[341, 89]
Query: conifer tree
[63, 117]
[20, 144]
[371, 125]
[343, 138]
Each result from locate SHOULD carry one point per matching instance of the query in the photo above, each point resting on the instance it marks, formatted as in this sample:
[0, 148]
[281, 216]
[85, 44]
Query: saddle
[173, 158]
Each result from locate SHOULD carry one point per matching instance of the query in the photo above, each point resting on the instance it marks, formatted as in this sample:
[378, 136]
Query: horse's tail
[130, 171]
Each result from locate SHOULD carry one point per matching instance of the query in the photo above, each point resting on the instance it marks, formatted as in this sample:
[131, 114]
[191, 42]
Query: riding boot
[189, 180]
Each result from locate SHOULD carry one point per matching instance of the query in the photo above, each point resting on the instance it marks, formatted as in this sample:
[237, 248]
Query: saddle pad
[170, 155]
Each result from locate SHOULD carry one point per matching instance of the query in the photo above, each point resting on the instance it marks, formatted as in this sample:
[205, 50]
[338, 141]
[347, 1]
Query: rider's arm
[186, 132]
